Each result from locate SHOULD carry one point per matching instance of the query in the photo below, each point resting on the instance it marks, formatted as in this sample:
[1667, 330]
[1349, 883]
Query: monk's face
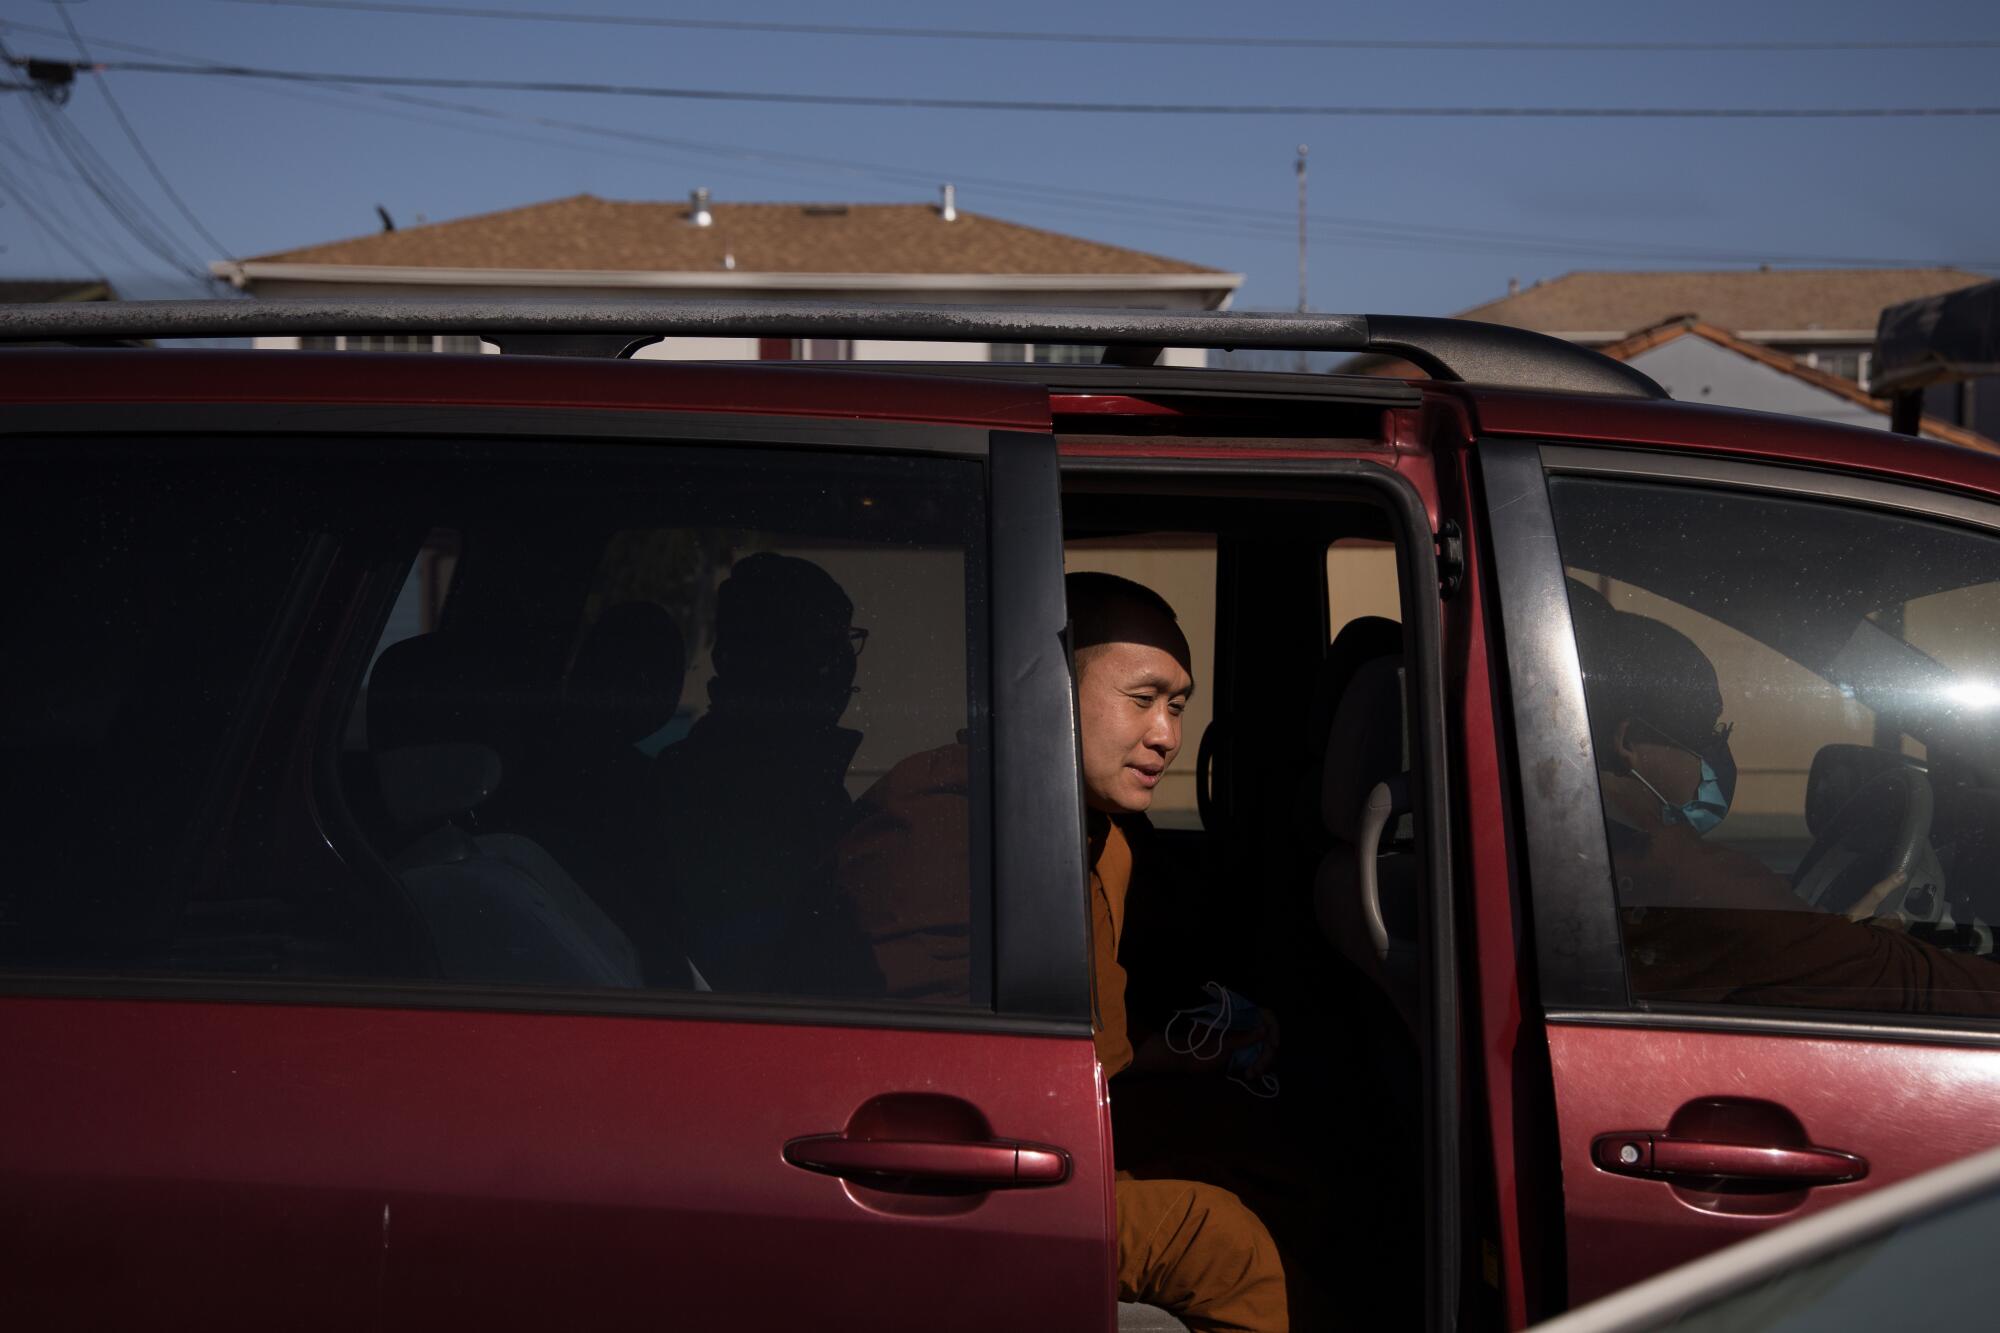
[1130, 694]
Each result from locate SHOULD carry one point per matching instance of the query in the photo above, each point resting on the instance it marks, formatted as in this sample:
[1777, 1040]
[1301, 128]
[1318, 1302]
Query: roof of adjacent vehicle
[584, 232]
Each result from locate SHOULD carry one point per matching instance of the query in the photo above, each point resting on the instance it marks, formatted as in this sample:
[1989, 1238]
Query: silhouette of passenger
[754, 800]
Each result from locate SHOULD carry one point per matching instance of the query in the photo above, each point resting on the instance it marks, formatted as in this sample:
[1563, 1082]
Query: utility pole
[1302, 244]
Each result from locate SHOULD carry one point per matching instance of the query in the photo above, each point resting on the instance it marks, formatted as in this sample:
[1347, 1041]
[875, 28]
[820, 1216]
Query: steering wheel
[1881, 830]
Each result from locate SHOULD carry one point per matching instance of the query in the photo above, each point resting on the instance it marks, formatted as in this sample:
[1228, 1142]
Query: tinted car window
[1802, 803]
[704, 721]
[143, 591]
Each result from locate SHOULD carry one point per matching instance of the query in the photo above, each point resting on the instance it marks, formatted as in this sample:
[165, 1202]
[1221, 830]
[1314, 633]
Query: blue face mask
[1704, 812]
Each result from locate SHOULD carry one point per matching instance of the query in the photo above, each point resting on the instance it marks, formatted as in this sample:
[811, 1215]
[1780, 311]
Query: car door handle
[1664, 1157]
[995, 1164]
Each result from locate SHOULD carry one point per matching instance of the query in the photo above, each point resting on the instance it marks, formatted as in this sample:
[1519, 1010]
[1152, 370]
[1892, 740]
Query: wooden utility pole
[1302, 242]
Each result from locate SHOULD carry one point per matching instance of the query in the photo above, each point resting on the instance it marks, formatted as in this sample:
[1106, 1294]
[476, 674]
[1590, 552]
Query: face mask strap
[1207, 1021]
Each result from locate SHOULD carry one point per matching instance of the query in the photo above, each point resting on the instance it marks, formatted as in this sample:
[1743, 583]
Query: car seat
[498, 907]
[1365, 897]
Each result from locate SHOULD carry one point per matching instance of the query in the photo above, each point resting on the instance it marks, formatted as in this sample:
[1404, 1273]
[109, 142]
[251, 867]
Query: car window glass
[1802, 805]
[143, 588]
[687, 720]
[1180, 566]
[1361, 581]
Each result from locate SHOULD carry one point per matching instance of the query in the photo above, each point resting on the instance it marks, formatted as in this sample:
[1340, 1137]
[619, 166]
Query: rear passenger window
[1795, 712]
[680, 719]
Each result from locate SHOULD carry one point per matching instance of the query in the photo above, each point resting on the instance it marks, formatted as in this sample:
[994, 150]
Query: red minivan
[562, 839]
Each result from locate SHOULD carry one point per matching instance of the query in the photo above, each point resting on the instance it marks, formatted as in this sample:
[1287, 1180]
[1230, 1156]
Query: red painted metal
[1505, 1052]
[993, 1165]
[1110, 405]
[176, 376]
[1905, 1106]
[1692, 427]
[258, 1165]
[1661, 1156]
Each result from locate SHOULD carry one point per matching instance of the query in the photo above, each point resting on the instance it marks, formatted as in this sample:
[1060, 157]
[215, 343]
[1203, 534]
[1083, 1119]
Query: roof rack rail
[1447, 349]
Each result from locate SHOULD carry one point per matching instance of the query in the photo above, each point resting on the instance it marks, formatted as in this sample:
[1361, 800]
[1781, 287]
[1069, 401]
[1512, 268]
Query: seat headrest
[1364, 745]
[1360, 640]
[425, 785]
[1838, 771]
[626, 681]
[450, 687]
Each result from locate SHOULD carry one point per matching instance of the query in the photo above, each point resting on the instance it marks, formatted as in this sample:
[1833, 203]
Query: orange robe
[1183, 1245]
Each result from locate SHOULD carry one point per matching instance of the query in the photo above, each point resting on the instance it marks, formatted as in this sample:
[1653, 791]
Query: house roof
[1757, 301]
[586, 233]
[56, 289]
[1645, 340]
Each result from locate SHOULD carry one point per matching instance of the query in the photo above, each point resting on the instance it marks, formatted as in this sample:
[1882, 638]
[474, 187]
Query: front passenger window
[1802, 803]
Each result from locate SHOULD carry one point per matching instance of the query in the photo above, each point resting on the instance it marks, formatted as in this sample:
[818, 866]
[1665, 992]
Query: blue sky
[268, 167]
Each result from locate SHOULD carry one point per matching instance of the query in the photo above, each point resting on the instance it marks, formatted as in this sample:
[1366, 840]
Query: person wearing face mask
[1705, 923]
[1188, 1246]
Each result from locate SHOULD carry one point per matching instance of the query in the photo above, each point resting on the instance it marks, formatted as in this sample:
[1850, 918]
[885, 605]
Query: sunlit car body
[306, 941]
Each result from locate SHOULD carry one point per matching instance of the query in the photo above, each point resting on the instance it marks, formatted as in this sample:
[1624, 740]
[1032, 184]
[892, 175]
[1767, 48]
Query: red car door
[1757, 792]
[399, 938]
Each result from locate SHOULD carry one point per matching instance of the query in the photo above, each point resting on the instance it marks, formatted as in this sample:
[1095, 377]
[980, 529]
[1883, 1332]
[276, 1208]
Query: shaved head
[1104, 608]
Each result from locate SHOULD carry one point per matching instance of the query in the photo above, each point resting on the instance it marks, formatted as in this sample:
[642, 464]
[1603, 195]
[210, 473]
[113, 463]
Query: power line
[129, 212]
[101, 232]
[16, 192]
[1201, 218]
[1106, 38]
[166, 186]
[1061, 107]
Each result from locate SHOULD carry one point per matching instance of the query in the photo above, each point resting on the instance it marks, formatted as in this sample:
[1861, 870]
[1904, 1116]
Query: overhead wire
[132, 135]
[1057, 106]
[101, 233]
[128, 210]
[14, 190]
[1189, 216]
[1287, 42]
[104, 183]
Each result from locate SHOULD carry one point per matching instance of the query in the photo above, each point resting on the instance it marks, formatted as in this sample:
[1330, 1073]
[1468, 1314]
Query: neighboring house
[1797, 341]
[1697, 362]
[584, 246]
[1823, 317]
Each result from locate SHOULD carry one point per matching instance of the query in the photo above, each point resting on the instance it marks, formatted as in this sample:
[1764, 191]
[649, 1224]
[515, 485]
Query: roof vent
[824, 210]
[698, 213]
[948, 210]
[1513, 286]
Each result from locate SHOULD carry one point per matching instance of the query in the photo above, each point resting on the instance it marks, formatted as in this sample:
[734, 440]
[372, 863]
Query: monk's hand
[1866, 906]
[1265, 1036]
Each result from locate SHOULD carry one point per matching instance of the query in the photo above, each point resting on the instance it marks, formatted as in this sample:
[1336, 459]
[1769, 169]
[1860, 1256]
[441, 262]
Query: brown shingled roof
[587, 233]
[1745, 301]
[1645, 340]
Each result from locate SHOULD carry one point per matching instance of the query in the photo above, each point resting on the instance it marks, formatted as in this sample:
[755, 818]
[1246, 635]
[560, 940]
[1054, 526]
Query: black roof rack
[1447, 349]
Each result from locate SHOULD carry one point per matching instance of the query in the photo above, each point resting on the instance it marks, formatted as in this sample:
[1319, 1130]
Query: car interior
[1302, 798]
